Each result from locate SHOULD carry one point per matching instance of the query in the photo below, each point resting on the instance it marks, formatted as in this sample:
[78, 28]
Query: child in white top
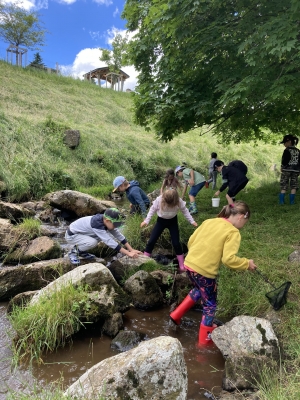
[166, 207]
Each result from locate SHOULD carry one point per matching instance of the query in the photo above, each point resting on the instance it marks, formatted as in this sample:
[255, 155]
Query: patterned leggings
[206, 289]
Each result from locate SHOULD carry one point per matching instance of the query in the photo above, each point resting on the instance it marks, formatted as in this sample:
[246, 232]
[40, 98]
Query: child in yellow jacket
[214, 243]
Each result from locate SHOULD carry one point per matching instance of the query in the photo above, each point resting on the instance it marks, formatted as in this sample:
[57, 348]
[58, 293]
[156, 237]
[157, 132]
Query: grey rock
[145, 292]
[153, 370]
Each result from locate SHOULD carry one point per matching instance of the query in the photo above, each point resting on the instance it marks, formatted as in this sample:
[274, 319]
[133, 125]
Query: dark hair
[214, 155]
[170, 173]
[238, 207]
[294, 140]
[170, 180]
[170, 198]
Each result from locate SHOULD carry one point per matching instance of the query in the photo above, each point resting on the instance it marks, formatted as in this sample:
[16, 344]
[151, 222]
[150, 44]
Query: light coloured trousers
[84, 242]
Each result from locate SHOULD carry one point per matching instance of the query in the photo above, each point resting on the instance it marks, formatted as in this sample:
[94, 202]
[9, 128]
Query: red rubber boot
[183, 307]
[205, 334]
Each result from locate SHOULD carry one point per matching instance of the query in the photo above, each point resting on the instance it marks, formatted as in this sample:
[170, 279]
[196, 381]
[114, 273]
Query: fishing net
[278, 296]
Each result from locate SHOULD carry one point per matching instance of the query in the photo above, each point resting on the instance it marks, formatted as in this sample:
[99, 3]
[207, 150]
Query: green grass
[48, 324]
[52, 391]
[36, 108]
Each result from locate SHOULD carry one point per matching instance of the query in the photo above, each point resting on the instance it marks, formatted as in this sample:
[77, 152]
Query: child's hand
[217, 193]
[133, 254]
[143, 224]
[191, 182]
[195, 224]
[252, 266]
[138, 252]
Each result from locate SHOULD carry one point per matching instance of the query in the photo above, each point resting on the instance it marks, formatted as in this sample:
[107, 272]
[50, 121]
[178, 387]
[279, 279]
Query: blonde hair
[169, 198]
[238, 207]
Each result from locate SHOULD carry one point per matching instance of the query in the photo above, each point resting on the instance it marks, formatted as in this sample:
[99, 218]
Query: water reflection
[205, 365]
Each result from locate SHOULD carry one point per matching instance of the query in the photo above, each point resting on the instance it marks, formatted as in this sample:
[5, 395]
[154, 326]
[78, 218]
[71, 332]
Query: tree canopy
[20, 27]
[230, 65]
[116, 58]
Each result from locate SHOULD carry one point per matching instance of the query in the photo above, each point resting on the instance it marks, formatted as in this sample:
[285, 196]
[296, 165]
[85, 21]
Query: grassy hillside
[36, 108]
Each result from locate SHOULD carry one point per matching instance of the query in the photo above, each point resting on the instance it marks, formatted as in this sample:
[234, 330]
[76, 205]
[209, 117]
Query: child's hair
[169, 199]
[294, 140]
[214, 155]
[170, 180]
[170, 174]
[238, 207]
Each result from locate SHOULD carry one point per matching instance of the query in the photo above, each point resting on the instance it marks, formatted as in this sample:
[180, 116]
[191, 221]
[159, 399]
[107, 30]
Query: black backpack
[240, 165]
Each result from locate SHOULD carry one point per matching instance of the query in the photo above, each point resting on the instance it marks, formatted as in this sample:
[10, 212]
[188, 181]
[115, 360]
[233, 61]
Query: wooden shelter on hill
[104, 74]
[19, 52]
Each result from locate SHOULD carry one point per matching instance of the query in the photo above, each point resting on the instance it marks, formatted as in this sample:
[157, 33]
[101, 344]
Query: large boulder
[14, 212]
[106, 294]
[249, 345]
[153, 370]
[80, 203]
[71, 138]
[121, 267]
[41, 248]
[145, 292]
[8, 235]
[15, 280]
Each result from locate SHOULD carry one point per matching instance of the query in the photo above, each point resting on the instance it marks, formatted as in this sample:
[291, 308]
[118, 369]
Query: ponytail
[238, 207]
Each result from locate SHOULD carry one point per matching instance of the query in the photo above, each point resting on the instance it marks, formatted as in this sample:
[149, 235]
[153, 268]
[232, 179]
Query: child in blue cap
[137, 197]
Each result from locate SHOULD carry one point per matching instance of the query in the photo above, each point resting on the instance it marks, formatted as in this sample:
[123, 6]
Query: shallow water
[204, 364]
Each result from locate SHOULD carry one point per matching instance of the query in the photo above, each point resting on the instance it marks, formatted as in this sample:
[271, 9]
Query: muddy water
[204, 364]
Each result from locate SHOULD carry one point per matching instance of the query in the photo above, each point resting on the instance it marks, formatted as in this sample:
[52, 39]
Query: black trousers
[160, 226]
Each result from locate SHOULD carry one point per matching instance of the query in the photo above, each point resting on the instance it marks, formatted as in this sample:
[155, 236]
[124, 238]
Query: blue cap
[118, 182]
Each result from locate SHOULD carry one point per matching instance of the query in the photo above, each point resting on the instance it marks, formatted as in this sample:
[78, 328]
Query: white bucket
[215, 201]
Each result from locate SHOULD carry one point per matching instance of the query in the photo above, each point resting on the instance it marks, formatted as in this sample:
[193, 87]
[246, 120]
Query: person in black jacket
[233, 178]
[290, 168]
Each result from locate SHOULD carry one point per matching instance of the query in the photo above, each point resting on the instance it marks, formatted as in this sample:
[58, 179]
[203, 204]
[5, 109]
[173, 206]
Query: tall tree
[20, 27]
[115, 58]
[37, 61]
[233, 65]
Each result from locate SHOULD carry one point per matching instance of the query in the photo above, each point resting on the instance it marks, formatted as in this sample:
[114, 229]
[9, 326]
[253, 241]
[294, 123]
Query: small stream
[205, 365]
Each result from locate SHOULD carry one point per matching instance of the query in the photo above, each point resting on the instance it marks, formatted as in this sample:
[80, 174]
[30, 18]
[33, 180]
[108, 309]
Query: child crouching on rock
[85, 233]
[166, 207]
[215, 242]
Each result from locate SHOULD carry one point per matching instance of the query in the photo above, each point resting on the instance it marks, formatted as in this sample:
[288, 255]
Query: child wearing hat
[195, 180]
[233, 178]
[290, 168]
[137, 197]
[86, 232]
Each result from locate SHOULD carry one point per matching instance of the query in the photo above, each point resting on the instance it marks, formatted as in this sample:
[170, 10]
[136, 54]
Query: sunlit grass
[47, 324]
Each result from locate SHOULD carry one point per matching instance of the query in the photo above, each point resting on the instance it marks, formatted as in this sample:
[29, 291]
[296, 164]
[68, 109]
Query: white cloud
[116, 12]
[87, 60]
[95, 35]
[26, 4]
[106, 2]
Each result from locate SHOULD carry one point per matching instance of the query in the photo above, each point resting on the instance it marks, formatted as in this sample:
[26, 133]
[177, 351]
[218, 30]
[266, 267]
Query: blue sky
[77, 29]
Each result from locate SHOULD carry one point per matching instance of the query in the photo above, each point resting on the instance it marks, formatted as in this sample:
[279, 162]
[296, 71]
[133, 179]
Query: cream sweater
[215, 242]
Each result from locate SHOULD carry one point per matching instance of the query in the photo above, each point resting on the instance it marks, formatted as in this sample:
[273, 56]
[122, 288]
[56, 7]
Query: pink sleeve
[185, 211]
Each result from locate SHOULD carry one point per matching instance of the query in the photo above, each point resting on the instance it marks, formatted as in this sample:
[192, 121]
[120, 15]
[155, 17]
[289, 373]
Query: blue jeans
[196, 189]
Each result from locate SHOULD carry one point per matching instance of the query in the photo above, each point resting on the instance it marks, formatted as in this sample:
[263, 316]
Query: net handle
[265, 278]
